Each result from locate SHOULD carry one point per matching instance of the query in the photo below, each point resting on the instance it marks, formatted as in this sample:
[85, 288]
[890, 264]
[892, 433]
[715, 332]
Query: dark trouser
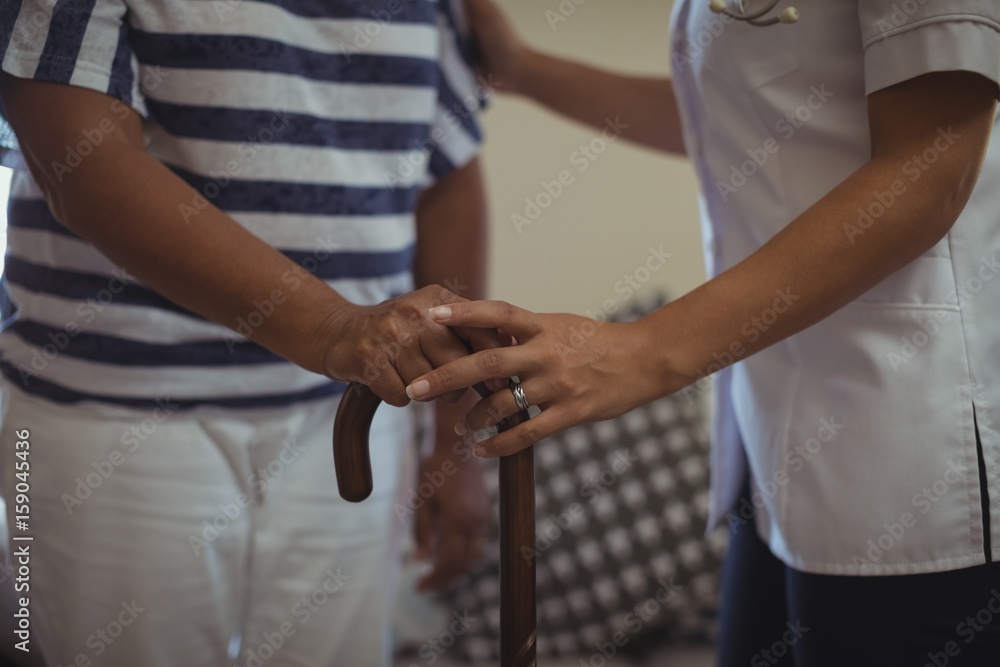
[774, 615]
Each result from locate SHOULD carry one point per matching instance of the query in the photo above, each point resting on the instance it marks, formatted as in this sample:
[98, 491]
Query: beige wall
[627, 200]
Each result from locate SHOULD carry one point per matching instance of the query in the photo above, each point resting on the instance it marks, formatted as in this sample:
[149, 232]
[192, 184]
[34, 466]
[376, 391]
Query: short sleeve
[904, 39]
[76, 42]
[456, 134]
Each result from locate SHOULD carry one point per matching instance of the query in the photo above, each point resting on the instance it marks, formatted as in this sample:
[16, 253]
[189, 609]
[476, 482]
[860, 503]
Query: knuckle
[366, 349]
[479, 419]
[436, 295]
[529, 435]
[494, 411]
[444, 295]
[563, 387]
[387, 328]
[548, 358]
[398, 400]
[445, 376]
[391, 394]
[491, 362]
[487, 418]
[409, 309]
[505, 310]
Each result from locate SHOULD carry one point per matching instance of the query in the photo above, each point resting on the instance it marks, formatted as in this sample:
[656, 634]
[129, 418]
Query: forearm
[452, 251]
[131, 207]
[647, 106]
[128, 205]
[452, 234]
[816, 265]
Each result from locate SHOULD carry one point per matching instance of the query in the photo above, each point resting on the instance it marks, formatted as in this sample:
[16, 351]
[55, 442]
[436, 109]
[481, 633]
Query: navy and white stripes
[313, 123]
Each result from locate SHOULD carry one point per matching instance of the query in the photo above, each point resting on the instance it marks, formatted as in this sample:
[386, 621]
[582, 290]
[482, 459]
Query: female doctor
[851, 210]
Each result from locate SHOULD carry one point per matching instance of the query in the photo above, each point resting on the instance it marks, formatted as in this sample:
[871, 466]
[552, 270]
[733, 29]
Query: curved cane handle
[351, 428]
[517, 514]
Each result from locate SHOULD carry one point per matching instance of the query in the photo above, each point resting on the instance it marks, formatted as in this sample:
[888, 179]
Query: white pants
[205, 539]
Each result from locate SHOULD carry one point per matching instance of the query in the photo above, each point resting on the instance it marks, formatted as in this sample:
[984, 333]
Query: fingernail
[461, 428]
[439, 312]
[481, 435]
[418, 389]
[479, 451]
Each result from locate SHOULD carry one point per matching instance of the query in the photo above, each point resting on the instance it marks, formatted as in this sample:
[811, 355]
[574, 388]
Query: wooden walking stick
[517, 515]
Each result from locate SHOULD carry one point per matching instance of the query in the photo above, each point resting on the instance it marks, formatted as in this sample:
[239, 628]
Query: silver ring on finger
[519, 398]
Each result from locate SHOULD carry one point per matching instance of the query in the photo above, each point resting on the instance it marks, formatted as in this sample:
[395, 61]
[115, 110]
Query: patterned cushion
[621, 511]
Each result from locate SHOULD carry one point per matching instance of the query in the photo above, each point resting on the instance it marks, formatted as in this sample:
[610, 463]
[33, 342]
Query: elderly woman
[851, 214]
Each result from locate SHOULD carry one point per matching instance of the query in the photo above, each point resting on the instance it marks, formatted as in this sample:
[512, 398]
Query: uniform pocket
[748, 56]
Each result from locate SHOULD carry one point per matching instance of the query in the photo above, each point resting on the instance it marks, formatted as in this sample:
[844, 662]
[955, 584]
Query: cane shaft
[517, 559]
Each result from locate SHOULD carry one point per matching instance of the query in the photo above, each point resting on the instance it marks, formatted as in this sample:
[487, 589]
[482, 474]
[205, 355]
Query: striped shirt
[315, 124]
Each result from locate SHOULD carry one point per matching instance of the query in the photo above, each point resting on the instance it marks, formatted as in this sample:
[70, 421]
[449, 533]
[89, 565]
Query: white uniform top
[859, 431]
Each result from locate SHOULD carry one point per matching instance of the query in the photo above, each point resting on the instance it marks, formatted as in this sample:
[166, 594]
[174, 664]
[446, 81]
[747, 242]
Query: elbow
[53, 190]
[950, 198]
[935, 193]
[59, 199]
[75, 194]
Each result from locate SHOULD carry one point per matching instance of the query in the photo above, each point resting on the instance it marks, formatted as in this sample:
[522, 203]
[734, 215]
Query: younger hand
[503, 54]
[576, 369]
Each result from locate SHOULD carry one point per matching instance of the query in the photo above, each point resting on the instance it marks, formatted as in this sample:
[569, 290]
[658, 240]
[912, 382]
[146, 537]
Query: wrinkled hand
[576, 369]
[451, 526]
[388, 345]
[502, 52]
